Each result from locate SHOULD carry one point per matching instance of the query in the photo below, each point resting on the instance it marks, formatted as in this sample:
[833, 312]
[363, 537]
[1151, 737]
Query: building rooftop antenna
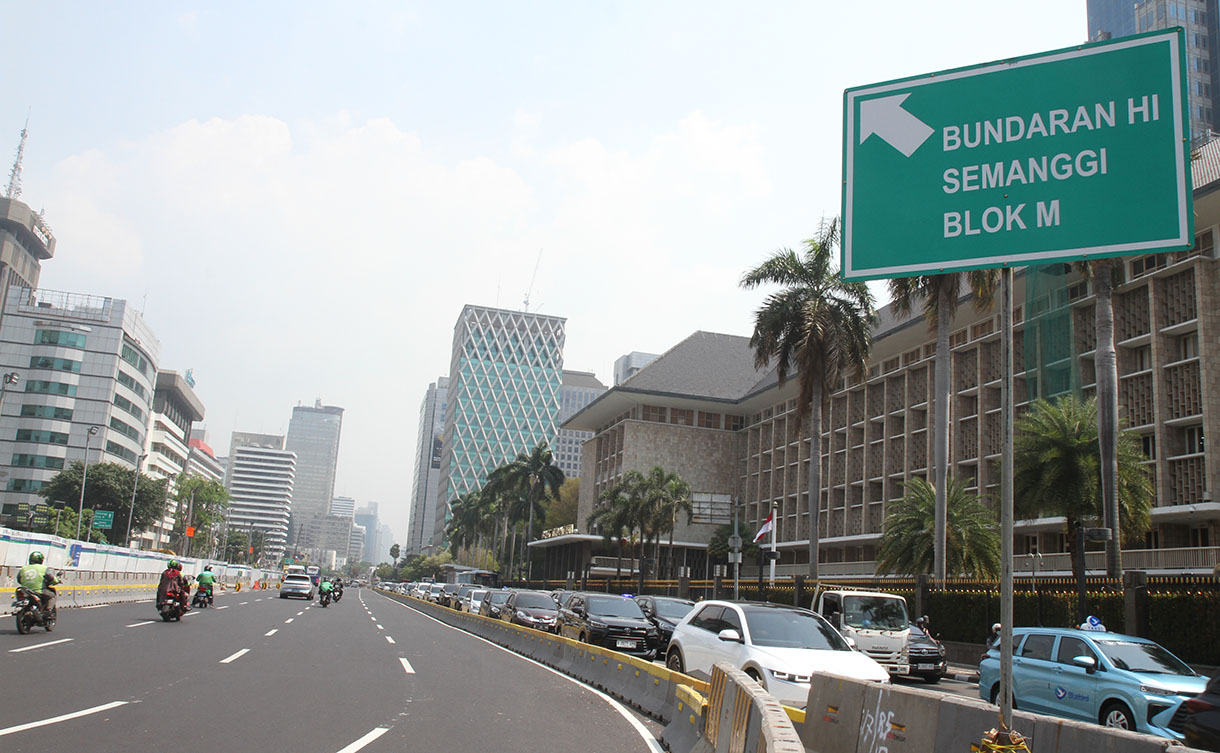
[533, 277]
[14, 176]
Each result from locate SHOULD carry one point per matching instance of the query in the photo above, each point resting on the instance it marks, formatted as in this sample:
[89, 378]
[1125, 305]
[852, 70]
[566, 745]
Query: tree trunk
[512, 553]
[529, 536]
[815, 474]
[944, 303]
[618, 569]
[1106, 369]
[1076, 545]
[639, 562]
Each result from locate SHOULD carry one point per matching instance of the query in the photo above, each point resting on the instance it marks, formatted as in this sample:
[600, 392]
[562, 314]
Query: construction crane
[533, 277]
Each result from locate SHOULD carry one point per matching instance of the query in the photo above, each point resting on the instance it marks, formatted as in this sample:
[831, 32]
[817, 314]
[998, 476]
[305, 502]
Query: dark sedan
[1198, 718]
[664, 612]
[614, 622]
[493, 603]
[534, 609]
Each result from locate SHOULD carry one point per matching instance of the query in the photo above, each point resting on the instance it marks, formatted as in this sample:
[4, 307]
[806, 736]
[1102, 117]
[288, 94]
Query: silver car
[297, 585]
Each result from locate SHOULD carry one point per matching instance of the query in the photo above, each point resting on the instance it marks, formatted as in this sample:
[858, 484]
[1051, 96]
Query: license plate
[925, 666]
[901, 669]
[620, 643]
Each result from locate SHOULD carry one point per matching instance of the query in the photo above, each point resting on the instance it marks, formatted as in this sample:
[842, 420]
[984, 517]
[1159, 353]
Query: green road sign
[1072, 154]
[103, 519]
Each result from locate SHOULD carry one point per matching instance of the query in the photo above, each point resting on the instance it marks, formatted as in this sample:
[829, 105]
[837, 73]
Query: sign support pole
[1006, 498]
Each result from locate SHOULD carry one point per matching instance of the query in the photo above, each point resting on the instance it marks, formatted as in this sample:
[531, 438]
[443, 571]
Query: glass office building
[504, 382]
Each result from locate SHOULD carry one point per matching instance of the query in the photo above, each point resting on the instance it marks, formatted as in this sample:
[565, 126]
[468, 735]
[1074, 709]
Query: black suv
[665, 612]
[533, 609]
[446, 597]
[610, 621]
[927, 655]
[493, 602]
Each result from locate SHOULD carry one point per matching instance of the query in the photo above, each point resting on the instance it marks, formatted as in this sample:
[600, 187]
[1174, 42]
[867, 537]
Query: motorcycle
[173, 607]
[27, 609]
[337, 595]
[202, 598]
[324, 598]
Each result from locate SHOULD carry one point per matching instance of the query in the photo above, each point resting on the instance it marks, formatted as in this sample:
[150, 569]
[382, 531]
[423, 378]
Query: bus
[314, 573]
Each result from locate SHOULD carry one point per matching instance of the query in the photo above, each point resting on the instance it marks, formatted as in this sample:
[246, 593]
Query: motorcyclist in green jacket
[324, 588]
[205, 580]
[38, 581]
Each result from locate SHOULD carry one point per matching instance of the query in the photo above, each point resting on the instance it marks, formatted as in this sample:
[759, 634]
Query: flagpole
[773, 527]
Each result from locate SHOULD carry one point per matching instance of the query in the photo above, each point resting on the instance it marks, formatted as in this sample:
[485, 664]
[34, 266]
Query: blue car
[1109, 678]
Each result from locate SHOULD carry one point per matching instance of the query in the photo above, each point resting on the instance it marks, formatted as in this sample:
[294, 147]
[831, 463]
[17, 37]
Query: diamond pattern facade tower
[504, 380]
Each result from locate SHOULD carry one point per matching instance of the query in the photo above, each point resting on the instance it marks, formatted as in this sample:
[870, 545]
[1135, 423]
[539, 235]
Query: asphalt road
[259, 673]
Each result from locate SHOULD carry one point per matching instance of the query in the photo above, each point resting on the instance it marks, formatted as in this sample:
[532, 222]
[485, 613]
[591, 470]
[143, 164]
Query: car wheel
[674, 661]
[995, 694]
[1116, 714]
[756, 677]
[933, 679]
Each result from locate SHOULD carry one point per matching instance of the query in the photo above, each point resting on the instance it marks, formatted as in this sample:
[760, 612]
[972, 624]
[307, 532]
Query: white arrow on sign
[885, 117]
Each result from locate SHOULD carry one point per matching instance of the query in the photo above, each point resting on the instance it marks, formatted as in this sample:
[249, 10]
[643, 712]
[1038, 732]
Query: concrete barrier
[741, 716]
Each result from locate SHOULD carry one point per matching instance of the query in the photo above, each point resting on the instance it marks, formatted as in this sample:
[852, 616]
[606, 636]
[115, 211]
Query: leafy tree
[201, 503]
[817, 325]
[1057, 472]
[67, 525]
[973, 541]
[530, 477]
[394, 550]
[616, 515]
[939, 295]
[108, 487]
[562, 510]
[666, 495]
[237, 546]
[718, 547]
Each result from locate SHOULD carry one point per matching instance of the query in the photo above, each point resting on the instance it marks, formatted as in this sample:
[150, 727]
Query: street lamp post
[134, 485]
[84, 475]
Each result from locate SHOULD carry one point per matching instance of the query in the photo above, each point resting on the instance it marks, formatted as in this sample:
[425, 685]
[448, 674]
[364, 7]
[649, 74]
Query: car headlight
[523, 616]
[1157, 691]
[941, 650]
[598, 625]
[788, 676]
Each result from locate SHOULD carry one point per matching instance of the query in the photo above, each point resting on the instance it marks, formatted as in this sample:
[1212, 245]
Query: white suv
[779, 646]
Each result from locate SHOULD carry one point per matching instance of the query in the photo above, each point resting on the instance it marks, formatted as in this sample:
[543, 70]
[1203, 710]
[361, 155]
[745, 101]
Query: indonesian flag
[767, 527]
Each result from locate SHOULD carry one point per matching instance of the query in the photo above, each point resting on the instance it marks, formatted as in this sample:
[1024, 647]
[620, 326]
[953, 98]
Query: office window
[1149, 445]
[55, 337]
[1141, 358]
[1188, 346]
[24, 485]
[56, 364]
[38, 461]
[1193, 436]
[41, 436]
[46, 411]
[50, 388]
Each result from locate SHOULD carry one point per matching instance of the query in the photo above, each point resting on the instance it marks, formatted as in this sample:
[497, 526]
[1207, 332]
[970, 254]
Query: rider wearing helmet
[172, 582]
[35, 578]
[325, 587]
[205, 580]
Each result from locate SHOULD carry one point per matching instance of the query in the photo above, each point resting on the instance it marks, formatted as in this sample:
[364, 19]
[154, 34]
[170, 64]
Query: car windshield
[875, 612]
[673, 610]
[534, 600]
[916, 632]
[498, 597]
[1143, 657]
[614, 606]
[789, 628]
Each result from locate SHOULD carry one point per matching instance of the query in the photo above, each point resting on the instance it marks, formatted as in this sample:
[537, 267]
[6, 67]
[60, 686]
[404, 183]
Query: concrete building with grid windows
[503, 399]
[875, 434]
[260, 475]
[576, 390]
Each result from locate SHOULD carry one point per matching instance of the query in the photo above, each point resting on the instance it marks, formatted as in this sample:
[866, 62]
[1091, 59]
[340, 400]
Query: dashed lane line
[226, 606]
[389, 640]
[300, 613]
[62, 718]
[38, 645]
[235, 657]
[94, 606]
[138, 624]
[407, 665]
[289, 620]
[380, 627]
[271, 632]
[372, 735]
[245, 603]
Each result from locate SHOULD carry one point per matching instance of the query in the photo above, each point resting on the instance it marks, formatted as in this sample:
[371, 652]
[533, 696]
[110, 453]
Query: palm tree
[669, 495]
[614, 517]
[532, 476]
[940, 295]
[907, 546]
[1103, 273]
[818, 325]
[463, 528]
[1057, 471]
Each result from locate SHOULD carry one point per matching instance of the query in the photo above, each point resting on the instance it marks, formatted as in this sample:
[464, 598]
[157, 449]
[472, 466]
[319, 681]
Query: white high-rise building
[175, 408]
[345, 506]
[427, 469]
[260, 480]
[85, 369]
[313, 434]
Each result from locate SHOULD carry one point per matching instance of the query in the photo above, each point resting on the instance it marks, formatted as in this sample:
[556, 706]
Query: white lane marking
[271, 632]
[138, 624]
[235, 657]
[245, 603]
[640, 729]
[94, 606]
[407, 666]
[38, 645]
[380, 627]
[372, 735]
[371, 617]
[300, 613]
[388, 639]
[191, 614]
[226, 606]
[63, 718]
[289, 620]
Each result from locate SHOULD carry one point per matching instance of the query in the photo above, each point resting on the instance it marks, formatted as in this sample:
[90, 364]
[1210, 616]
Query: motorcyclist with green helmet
[205, 580]
[35, 578]
[172, 583]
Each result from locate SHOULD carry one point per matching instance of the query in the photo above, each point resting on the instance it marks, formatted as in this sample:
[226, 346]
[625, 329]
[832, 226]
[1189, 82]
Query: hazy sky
[302, 195]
